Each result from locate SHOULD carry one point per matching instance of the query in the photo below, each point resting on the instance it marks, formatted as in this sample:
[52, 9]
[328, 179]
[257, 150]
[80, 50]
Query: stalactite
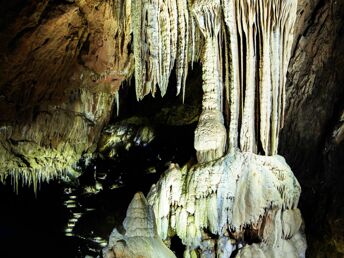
[233, 73]
[264, 31]
[182, 50]
[33, 177]
[210, 134]
[272, 23]
[165, 50]
[173, 14]
[136, 12]
[117, 102]
[247, 132]
[161, 41]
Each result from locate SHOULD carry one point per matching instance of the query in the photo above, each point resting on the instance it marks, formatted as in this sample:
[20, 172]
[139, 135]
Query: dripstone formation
[240, 186]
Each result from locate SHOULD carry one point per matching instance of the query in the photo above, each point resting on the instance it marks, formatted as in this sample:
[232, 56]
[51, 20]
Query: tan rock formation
[61, 66]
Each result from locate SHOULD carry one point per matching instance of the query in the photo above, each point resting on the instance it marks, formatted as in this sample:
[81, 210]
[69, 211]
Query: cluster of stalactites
[260, 41]
[253, 41]
[164, 38]
[28, 177]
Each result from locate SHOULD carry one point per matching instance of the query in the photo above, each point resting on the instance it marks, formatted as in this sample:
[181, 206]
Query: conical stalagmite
[140, 221]
[140, 239]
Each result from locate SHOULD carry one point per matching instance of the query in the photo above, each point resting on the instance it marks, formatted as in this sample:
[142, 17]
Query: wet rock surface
[125, 134]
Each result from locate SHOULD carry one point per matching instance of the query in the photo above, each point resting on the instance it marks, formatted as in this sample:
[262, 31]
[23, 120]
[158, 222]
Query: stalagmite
[140, 239]
[290, 248]
[226, 197]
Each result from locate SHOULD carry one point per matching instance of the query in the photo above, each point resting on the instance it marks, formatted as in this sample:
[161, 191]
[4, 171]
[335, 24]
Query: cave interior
[172, 128]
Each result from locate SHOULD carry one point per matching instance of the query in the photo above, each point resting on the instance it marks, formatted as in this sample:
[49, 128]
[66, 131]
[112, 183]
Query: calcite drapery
[161, 41]
[261, 37]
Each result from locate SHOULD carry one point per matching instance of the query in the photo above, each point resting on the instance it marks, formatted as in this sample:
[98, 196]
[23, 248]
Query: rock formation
[60, 70]
[140, 238]
[212, 207]
[239, 193]
[222, 200]
[121, 136]
[210, 135]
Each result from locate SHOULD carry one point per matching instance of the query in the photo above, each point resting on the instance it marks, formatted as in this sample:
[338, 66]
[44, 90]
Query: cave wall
[62, 63]
[312, 140]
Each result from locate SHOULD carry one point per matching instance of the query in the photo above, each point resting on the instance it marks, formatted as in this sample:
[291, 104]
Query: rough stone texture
[293, 247]
[61, 65]
[314, 102]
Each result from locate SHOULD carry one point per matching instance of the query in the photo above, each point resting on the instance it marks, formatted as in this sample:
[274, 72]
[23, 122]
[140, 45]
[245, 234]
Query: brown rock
[60, 67]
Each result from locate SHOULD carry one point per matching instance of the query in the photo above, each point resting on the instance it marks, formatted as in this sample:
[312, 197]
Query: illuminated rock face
[123, 135]
[61, 67]
[63, 61]
[244, 58]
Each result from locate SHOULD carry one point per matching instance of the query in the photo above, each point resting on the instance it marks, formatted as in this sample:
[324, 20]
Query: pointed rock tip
[138, 196]
[138, 201]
